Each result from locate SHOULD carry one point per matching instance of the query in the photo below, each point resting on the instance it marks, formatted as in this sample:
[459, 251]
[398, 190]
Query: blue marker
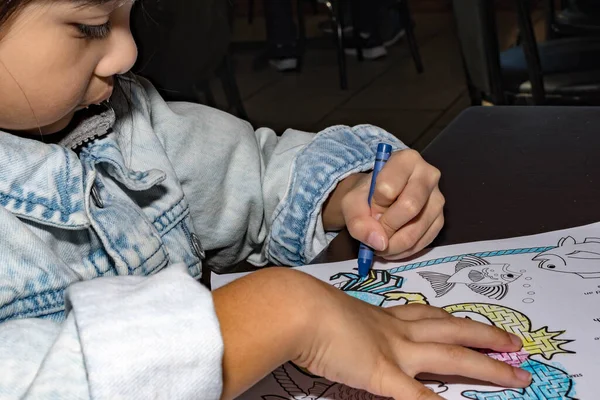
[365, 254]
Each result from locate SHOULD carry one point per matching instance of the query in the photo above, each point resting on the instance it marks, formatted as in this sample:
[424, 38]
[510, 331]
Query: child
[107, 213]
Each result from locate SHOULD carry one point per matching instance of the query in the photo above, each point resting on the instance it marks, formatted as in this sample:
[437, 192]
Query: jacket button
[197, 246]
[96, 197]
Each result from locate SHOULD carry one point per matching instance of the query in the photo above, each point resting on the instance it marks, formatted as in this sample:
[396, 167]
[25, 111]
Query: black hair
[10, 8]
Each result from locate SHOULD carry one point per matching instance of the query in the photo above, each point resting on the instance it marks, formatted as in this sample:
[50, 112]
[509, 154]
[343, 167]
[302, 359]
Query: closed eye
[94, 31]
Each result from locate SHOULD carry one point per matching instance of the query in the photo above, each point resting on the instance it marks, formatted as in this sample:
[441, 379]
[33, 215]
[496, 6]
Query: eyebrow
[87, 3]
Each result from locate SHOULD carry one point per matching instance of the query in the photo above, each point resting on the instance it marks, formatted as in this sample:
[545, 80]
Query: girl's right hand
[382, 350]
[278, 315]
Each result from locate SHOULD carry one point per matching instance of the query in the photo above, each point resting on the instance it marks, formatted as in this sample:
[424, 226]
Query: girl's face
[57, 57]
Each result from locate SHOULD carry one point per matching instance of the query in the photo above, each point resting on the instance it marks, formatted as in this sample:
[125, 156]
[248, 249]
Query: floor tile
[388, 93]
[402, 88]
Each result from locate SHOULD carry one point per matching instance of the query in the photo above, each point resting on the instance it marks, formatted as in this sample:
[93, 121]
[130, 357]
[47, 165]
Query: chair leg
[250, 11]
[410, 35]
[338, 28]
[354, 10]
[534, 65]
[315, 6]
[550, 19]
[231, 89]
[301, 34]
[475, 96]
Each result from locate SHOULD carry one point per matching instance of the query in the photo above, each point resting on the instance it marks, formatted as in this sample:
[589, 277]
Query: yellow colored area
[540, 341]
[409, 298]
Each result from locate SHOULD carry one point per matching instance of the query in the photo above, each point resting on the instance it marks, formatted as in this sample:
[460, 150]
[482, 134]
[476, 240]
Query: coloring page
[543, 288]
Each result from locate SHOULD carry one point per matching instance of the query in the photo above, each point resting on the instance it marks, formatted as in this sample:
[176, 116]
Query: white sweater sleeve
[124, 338]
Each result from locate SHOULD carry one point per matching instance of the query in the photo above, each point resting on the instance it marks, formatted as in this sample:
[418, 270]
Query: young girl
[108, 212]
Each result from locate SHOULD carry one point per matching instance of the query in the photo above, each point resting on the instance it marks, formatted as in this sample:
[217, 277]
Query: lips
[105, 96]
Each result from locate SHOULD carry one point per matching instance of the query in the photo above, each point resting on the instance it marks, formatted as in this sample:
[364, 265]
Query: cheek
[46, 82]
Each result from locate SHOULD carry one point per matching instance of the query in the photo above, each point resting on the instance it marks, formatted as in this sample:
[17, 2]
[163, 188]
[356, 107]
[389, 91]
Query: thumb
[362, 225]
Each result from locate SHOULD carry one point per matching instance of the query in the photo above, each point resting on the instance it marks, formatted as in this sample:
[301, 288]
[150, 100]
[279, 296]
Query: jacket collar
[41, 182]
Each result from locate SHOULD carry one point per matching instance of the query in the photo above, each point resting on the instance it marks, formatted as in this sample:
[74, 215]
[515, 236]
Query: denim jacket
[101, 249]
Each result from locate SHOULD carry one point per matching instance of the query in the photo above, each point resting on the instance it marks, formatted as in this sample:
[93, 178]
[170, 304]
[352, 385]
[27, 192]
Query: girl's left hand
[406, 211]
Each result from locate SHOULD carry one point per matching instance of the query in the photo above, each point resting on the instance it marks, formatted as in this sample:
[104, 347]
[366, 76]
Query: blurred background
[407, 66]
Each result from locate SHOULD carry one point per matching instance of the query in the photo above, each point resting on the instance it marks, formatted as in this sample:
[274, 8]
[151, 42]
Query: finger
[456, 360]
[391, 381]
[464, 332]
[422, 243]
[359, 220]
[418, 233]
[409, 203]
[425, 241]
[416, 312]
[393, 177]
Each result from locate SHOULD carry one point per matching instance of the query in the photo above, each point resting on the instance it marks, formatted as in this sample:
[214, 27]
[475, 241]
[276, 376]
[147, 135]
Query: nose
[121, 50]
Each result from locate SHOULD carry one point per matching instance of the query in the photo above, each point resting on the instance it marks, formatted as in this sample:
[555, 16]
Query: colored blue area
[371, 298]
[549, 383]
[483, 254]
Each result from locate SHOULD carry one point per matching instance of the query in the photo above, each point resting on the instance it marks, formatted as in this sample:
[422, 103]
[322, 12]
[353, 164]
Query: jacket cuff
[297, 233]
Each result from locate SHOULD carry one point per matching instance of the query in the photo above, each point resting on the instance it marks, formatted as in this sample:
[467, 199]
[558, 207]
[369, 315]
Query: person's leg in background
[391, 24]
[379, 25]
[281, 34]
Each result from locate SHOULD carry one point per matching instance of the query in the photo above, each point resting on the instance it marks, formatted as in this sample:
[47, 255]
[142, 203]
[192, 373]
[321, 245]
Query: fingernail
[376, 242]
[516, 340]
[522, 375]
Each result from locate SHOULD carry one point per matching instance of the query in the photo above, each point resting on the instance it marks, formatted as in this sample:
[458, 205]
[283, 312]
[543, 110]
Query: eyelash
[94, 31]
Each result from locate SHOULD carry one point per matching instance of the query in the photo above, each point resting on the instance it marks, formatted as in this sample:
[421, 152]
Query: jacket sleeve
[253, 194]
[123, 338]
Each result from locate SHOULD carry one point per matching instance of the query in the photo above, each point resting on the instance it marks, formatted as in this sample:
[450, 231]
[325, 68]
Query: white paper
[552, 303]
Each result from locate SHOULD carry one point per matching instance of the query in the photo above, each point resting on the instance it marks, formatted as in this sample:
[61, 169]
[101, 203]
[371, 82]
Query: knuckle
[411, 154]
[444, 313]
[385, 192]
[411, 206]
[418, 308]
[408, 239]
[507, 337]
[442, 201]
[455, 353]
[355, 225]
[437, 226]
[457, 324]
[388, 227]
[410, 332]
[436, 174]
[423, 393]
[441, 222]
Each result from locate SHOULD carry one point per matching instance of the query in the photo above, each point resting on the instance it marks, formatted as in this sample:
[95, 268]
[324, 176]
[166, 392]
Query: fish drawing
[477, 274]
[570, 257]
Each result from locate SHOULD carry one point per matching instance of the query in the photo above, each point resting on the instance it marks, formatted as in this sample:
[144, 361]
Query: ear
[566, 241]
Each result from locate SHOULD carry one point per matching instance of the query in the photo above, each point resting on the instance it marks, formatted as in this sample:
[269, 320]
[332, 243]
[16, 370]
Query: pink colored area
[514, 359]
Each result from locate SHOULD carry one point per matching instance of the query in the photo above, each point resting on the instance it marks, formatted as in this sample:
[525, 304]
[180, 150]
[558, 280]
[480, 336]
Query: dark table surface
[511, 171]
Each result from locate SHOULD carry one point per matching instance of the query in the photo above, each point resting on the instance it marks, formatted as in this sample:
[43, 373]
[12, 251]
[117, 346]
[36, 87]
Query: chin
[58, 125]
